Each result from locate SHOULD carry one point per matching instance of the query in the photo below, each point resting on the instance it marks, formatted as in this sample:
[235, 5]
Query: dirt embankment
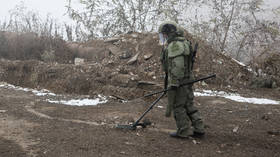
[127, 66]
[122, 65]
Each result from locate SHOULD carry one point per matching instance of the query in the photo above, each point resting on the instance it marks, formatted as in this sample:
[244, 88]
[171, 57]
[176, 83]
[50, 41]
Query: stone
[235, 129]
[112, 40]
[114, 50]
[148, 56]
[151, 74]
[133, 59]
[79, 61]
[125, 55]
[134, 35]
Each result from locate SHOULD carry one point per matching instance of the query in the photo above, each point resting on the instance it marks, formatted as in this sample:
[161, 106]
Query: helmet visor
[161, 38]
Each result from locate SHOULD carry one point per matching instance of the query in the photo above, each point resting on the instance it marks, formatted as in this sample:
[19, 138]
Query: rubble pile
[125, 66]
[267, 69]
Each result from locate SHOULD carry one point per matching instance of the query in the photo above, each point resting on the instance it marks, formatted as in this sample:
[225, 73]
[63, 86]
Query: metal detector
[143, 125]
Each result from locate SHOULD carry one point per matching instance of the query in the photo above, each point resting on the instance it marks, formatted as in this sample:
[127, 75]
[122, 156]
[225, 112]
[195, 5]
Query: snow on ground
[236, 97]
[102, 99]
[81, 102]
[74, 102]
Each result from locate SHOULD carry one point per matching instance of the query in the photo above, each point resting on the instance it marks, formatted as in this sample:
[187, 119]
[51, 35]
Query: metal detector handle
[151, 107]
[184, 84]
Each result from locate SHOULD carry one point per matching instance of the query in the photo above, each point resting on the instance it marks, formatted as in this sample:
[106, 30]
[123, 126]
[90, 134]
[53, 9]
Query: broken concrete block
[114, 50]
[112, 40]
[133, 59]
[148, 56]
[79, 61]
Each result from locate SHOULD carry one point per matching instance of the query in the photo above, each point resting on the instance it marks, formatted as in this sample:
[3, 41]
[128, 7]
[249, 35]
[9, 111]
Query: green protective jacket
[176, 61]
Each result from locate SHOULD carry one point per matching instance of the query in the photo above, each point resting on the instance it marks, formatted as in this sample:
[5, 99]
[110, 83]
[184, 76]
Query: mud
[32, 127]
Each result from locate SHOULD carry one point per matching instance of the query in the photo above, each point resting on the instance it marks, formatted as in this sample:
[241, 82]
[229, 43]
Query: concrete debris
[148, 56]
[133, 59]
[114, 50]
[134, 35]
[146, 83]
[235, 130]
[111, 40]
[125, 55]
[79, 61]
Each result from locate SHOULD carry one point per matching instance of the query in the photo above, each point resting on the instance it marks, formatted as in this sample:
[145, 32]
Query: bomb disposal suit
[176, 60]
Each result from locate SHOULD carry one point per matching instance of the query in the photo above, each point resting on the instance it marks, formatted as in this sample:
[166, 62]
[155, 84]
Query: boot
[198, 134]
[175, 135]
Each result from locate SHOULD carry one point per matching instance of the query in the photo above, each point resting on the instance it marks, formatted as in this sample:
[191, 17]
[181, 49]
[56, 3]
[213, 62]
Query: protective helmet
[168, 27]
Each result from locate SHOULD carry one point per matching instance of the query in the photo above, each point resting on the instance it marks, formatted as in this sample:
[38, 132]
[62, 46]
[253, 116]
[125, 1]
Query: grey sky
[57, 7]
[54, 7]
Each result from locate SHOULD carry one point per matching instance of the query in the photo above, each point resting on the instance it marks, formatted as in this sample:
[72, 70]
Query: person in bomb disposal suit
[176, 59]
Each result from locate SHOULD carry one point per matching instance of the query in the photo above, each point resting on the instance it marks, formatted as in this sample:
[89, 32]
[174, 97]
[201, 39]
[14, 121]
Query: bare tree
[111, 17]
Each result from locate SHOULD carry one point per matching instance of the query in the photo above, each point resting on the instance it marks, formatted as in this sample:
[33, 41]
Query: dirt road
[29, 126]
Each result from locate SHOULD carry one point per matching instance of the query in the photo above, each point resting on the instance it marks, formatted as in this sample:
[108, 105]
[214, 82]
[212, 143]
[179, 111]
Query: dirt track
[29, 126]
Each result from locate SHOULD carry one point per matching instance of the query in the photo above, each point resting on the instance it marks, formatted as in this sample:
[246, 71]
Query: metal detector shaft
[151, 107]
[184, 84]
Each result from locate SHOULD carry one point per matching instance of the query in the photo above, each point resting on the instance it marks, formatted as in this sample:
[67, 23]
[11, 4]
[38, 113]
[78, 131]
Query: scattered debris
[265, 117]
[133, 59]
[125, 55]
[274, 133]
[111, 40]
[114, 49]
[146, 83]
[148, 56]
[3, 111]
[79, 61]
[235, 130]
[195, 142]
[122, 152]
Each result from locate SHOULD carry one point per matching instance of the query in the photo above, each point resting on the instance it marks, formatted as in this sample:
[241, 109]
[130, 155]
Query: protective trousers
[184, 111]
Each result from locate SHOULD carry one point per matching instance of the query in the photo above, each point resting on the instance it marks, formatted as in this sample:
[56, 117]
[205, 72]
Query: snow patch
[42, 92]
[102, 99]
[80, 102]
[74, 102]
[236, 97]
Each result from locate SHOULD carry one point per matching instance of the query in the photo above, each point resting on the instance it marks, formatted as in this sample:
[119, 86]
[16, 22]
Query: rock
[111, 40]
[79, 61]
[203, 83]
[125, 55]
[148, 56]
[3, 111]
[122, 152]
[235, 129]
[114, 50]
[151, 74]
[133, 59]
[134, 35]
